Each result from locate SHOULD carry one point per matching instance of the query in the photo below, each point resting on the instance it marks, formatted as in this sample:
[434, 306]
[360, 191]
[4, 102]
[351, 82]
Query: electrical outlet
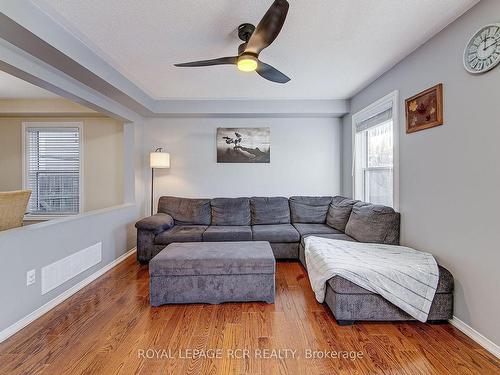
[30, 277]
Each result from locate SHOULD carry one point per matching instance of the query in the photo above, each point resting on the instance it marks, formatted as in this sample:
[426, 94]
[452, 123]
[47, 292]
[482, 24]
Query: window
[52, 168]
[374, 135]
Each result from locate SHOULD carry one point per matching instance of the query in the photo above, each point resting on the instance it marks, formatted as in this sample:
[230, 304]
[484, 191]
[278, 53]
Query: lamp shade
[159, 159]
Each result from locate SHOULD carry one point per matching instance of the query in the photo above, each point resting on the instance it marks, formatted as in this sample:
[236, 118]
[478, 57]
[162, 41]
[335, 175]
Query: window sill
[46, 217]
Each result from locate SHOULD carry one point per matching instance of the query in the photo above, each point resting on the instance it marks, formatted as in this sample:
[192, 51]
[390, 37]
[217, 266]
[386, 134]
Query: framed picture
[425, 110]
[243, 145]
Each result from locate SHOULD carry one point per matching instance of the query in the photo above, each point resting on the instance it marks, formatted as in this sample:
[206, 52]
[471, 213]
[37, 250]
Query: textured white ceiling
[14, 88]
[330, 48]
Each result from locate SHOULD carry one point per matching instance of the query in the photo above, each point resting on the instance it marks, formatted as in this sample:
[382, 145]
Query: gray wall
[38, 245]
[305, 158]
[449, 175]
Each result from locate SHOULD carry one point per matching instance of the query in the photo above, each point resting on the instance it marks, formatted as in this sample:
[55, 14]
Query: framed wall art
[243, 145]
[425, 110]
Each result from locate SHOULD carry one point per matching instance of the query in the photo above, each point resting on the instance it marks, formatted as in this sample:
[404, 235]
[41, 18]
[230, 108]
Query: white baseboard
[20, 324]
[476, 336]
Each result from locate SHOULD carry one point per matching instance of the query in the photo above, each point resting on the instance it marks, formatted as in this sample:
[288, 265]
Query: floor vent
[59, 272]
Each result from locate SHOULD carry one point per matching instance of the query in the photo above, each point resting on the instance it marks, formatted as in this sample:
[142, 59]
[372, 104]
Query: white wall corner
[476, 336]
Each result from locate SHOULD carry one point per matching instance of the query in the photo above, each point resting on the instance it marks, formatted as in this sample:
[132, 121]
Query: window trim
[391, 100]
[54, 124]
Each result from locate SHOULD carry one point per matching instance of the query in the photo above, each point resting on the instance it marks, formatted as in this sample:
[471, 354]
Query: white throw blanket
[405, 277]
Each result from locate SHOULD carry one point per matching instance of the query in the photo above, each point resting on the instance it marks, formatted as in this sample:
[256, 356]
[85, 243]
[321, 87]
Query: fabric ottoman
[212, 272]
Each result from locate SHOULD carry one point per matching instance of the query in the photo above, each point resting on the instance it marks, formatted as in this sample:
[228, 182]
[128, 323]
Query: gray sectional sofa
[285, 223]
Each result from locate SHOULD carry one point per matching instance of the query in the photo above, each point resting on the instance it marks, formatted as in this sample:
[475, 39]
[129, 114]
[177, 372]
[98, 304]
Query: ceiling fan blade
[269, 27]
[272, 74]
[220, 61]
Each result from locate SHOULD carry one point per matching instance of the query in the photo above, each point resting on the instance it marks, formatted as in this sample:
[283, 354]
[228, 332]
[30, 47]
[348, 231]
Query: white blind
[378, 119]
[53, 170]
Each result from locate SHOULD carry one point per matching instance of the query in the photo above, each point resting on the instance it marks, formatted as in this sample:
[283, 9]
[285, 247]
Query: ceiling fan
[255, 39]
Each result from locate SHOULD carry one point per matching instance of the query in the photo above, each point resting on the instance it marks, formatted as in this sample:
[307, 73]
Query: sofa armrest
[157, 223]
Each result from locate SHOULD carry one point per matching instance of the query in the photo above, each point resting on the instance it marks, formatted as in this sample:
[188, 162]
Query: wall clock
[483, 50]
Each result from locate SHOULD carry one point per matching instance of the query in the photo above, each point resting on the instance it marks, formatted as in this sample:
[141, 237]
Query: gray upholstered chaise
[285, 223]
[364, 222]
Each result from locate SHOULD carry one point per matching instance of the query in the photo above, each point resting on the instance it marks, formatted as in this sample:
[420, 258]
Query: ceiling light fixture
[255, 40]
[247, 63]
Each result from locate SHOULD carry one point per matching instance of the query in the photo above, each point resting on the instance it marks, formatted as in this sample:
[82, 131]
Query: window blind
[52, 167]
[378, 119]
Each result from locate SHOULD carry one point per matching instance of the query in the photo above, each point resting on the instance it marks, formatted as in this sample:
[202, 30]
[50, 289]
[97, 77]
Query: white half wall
[38, 245]
[305, 158]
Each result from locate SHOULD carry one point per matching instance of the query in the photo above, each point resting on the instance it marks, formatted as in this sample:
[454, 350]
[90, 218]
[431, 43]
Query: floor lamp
[157, 159]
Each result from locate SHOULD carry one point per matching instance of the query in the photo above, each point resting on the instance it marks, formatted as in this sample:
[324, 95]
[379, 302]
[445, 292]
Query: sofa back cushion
[274, 210]
[373, 223]
[185, 210]
[230, 211]
[339, 212]
[310, 210]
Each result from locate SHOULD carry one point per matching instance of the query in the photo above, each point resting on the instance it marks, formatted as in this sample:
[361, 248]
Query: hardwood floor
[109, 328]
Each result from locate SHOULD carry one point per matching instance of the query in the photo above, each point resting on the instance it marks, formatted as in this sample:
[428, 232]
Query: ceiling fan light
[247, 63]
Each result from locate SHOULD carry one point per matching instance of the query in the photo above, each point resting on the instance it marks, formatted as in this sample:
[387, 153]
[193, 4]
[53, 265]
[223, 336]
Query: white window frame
[389, 101]
[53, 124]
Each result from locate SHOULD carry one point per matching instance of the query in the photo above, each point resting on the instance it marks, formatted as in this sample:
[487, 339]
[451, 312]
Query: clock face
[483, 50]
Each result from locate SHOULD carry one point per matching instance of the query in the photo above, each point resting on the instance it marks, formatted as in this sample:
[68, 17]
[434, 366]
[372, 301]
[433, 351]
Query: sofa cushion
[186, 210]
[332, 236]
[181, 233]
[156, 223]
[373, 223]
[309, 209]
[305, 229]
[275, 233]
[230, 211]
[274, 210]
[339, 212]
[216, 233]
[344, 286]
